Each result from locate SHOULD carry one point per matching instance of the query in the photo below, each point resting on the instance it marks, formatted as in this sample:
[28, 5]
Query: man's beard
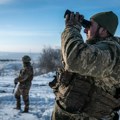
[93, 40]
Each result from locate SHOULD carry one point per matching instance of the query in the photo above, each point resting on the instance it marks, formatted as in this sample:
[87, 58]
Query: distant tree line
[7, 60]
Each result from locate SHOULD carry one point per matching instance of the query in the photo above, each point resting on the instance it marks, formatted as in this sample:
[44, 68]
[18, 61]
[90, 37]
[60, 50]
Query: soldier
[25, 79]
[91, 77]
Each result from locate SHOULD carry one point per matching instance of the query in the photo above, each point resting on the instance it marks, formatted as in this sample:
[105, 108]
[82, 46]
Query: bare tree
[49, 60]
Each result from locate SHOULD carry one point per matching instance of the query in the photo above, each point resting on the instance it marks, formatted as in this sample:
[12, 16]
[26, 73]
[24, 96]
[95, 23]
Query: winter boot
[25, 110]
[18, 102]
[18, 105]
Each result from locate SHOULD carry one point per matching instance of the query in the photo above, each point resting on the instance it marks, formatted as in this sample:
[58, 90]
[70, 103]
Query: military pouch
[101, 104]
[65, 78]
[75, 95]
[117, 95]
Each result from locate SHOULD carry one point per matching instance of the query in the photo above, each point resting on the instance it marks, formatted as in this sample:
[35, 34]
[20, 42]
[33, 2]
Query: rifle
[116, 116]
[15, 82]
[14, 88]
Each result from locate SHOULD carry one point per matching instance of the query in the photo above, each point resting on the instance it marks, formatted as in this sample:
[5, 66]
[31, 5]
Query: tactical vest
[26, 83]
[78, 94]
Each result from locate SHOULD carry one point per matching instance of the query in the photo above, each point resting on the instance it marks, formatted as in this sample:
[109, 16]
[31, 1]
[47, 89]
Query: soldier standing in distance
[25, 80]
[93, 90]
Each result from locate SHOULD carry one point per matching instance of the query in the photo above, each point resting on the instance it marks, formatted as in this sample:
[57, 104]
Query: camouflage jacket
[100, 60]
[26, 75]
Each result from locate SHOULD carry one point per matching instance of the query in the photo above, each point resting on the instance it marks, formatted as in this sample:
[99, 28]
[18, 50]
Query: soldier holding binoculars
[91, 69]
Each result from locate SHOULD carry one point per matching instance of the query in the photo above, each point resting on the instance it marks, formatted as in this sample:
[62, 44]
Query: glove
[16, 81]
[53, 83]
[74, 20]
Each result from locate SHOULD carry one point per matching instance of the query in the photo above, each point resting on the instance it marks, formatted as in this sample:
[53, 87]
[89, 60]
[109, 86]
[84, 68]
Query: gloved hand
[16, 81]
[74, 20]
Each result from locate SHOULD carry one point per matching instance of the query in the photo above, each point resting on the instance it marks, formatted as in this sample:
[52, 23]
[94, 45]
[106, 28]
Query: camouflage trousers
[60, 114]
[24, 92]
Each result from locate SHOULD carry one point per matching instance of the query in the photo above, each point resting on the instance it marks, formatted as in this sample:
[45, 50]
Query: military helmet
[26, 58]
[108, 20]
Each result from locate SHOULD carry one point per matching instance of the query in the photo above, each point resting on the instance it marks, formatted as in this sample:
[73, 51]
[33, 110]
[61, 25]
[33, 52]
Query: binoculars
[85, 23]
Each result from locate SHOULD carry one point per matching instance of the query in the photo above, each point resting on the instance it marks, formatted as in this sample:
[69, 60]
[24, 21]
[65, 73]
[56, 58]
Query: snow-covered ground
[41, 99]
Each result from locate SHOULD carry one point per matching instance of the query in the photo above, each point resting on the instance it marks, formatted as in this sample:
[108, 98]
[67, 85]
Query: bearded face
[92, 32]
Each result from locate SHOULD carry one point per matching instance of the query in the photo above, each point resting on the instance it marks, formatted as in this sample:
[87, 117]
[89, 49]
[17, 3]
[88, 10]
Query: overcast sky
[31, 25]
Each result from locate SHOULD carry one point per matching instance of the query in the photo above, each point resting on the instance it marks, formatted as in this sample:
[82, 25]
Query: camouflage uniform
[25, 79]
[99, 64]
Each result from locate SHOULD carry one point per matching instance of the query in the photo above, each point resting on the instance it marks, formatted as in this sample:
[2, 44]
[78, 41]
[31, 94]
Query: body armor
[79, 94]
